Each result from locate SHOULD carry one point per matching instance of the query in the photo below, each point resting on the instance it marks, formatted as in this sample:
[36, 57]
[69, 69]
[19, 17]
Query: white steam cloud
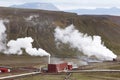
[17, 46]
[2, 36]
[90, 46]
[31, 17]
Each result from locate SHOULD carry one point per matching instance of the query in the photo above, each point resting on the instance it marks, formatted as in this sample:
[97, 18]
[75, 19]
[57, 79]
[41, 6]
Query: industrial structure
[59, 67]
[51, 68]
[4, 70]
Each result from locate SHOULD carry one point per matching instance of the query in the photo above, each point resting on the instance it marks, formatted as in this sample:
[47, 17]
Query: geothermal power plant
[51, 69]
[86, 51]
[67, 35]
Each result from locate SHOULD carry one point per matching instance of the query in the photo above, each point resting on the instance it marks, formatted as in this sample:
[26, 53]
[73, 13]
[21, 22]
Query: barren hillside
[40, 25]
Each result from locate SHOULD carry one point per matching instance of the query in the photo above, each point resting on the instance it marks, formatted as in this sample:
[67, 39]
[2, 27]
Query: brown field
[26, 61]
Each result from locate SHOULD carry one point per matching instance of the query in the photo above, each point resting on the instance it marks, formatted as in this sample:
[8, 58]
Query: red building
[52, 68]
[4, 70]
[70, 67]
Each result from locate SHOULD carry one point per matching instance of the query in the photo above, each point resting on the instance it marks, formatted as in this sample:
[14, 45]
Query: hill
[42, 24]
[97, 11]
[37, 5]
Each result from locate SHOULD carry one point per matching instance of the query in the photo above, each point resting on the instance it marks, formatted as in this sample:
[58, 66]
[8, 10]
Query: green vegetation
[45, 77]
[76, 76]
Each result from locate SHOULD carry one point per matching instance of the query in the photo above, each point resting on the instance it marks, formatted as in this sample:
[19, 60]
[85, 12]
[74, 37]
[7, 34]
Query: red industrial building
[70, 67]
[54, 68]
[4, 70]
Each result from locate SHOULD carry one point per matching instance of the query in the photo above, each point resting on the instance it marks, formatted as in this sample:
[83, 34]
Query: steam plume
[90, 46]
[16, 46]
[2, 36]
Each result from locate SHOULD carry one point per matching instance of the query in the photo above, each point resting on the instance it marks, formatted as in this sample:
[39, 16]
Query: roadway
[19, 75]
[72, 71]
[94, 70]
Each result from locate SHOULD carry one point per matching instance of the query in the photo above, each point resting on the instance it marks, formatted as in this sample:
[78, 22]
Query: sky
[68, 4]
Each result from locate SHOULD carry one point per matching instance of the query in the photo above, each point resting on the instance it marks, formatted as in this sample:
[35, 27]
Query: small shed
[4, 70]
[60, 67]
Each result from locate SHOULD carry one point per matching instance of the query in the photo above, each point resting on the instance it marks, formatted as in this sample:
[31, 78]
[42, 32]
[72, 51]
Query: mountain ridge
[97, 11]
[37, 5]
[41, 28]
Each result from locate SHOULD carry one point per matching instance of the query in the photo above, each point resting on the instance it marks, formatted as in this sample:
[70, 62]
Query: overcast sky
[69, 4]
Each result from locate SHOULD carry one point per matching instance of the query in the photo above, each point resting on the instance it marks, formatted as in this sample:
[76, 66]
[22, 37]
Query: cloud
[68, 4]
[75, 4]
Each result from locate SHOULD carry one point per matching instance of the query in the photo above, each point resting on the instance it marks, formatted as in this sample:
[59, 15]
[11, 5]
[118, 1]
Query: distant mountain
[36, 5]
[97, 11]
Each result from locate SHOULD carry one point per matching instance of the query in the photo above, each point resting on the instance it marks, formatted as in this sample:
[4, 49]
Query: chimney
[49, 59]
